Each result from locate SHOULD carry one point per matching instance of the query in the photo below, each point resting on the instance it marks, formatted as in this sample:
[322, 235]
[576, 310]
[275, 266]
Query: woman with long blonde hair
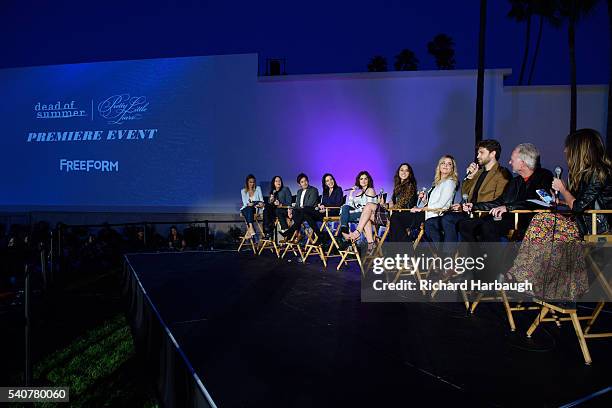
[439, 197]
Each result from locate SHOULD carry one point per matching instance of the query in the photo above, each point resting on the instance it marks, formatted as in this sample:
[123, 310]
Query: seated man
[485, 181]
[491, 228]
[307, 198]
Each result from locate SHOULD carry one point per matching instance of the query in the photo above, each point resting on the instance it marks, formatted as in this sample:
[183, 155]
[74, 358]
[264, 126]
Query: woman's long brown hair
[586, 158]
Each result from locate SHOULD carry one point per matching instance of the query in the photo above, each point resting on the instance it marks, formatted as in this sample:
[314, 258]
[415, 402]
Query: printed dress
[556, 268]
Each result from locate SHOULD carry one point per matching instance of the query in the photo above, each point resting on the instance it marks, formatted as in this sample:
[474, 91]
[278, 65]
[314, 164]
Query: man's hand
[498, 211]
[471, 170]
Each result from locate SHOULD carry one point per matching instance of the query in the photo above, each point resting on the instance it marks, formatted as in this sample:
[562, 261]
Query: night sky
[315, 36]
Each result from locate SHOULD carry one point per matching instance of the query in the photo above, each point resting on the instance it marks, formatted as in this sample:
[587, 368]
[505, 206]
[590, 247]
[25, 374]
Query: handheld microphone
[558, 171]
[464, 198]
[468, 174]
[352, 188]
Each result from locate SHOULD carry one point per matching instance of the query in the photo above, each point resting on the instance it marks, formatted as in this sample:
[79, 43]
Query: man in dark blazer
[306, 199]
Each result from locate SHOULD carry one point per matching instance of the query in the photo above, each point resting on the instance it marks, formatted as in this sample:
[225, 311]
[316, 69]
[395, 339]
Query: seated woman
[439, 197]
[351, 212]
[280, 196]
[560, 273]
[175, 240]
[404, 196]
[251, 200]
[332, 196]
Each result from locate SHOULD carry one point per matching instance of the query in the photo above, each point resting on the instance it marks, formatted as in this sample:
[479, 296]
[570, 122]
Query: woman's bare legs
[365, 224]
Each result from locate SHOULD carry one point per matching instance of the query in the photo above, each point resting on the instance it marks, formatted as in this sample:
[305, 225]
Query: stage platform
[231, 329]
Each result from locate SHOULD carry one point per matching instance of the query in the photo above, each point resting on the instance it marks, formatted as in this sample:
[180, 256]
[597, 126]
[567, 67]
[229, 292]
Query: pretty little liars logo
[117, 109]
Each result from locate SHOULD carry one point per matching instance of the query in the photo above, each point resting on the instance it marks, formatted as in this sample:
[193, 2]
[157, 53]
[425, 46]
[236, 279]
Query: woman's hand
[559, 185]
[415, 209]
[276, 203]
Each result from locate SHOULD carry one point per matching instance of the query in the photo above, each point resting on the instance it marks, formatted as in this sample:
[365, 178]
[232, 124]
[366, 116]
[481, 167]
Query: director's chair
[251, 240]
[572, 312]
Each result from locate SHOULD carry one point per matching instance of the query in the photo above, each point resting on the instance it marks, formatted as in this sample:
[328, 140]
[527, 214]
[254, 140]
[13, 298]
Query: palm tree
[522, 10]
[546, 11]
[377, 64]
[442, 48]
[406, 60]
[573, 11]
[478, 128]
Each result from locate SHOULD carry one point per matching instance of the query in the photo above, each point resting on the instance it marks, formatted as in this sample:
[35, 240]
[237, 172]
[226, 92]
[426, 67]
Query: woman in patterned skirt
[551, 256]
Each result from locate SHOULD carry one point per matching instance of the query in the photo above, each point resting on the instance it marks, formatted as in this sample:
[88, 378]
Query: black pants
[269, 217]
[402, 221]
[308, 214]
[485, 229]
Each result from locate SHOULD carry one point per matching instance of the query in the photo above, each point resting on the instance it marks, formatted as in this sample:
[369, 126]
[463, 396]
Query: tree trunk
[480, 82]
[609, 125]
[572, 48]
[537, 50]
[526, 52]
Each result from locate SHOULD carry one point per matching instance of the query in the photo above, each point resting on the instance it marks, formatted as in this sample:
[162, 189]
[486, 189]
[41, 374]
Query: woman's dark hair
[301, 176]
[246, 182]
[404, 189]
[410, 180]
[324, 186]
[272, 189]
[370, 181]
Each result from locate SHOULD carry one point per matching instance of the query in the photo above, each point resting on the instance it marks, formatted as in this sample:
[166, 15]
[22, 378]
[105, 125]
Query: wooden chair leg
[537, 321]
[581, 339]
[594, 316]
[508, 311]
[476, 302]
[241, 244]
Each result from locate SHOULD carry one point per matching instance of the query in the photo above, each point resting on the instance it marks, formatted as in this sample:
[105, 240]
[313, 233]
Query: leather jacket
[593, 195]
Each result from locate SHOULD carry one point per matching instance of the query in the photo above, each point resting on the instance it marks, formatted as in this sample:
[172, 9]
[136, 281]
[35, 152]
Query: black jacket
[591, 195]
[310, 200]
[283, 195]
[517, 192]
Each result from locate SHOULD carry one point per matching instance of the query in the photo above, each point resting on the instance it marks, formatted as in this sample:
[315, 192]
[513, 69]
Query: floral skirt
[556, 267]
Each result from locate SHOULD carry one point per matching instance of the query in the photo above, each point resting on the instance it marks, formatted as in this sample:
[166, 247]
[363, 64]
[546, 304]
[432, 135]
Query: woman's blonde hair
[586, 157]
[452, 176]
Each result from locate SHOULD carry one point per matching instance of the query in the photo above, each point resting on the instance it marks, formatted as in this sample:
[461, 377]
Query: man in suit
[307, 198]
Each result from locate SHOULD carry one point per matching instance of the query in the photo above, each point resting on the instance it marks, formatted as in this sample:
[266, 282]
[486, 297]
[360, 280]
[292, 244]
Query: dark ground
[262, 331]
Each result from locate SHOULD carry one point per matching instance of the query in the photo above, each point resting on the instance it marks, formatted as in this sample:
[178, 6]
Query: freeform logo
[120, 108]
[88, 165]
[58, 110]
